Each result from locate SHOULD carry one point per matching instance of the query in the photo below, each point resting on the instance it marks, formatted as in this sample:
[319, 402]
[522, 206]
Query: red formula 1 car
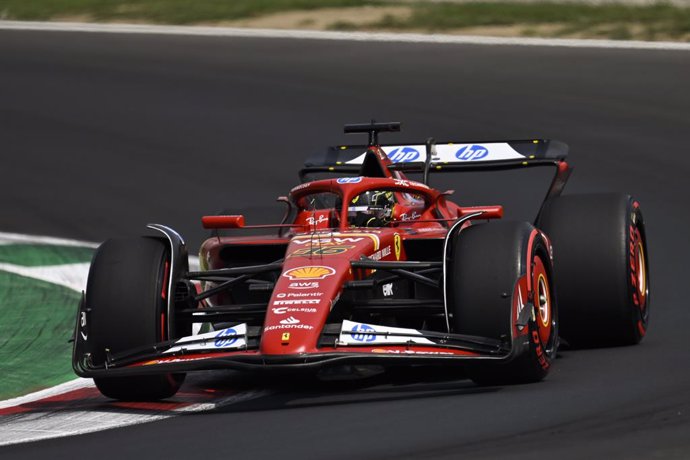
[370, 269]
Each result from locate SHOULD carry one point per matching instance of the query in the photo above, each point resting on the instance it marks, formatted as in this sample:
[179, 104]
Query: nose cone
[316, 266]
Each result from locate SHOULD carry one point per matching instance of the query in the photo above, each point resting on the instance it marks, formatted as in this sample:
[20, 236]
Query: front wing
[347, 343]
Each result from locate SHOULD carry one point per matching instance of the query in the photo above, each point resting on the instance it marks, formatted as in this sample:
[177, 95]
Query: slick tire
[602, 267]
[125, 298]
[496, 270]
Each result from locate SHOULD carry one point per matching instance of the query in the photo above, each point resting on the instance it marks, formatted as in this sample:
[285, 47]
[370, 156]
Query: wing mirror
[236, 221]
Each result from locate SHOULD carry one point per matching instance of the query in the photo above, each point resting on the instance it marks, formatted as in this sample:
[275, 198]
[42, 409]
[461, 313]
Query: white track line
[72, 276]
[19, 238]
[39, 425]
[341, 36]
[76, 384]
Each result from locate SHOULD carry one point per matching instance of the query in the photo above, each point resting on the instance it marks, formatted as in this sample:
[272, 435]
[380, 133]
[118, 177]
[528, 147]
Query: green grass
[162, 11]
[610, 20]
[33, 255]
[37, 322]
[614, 18]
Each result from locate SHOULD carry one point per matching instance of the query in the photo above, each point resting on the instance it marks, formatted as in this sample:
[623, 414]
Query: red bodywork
[319, 256]
[320, 247]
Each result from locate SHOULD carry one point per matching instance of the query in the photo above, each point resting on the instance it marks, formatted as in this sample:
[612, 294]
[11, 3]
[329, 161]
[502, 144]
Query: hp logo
[365, 333]
[403, 155]
[349, 180]
[472, 153]
[222, 339]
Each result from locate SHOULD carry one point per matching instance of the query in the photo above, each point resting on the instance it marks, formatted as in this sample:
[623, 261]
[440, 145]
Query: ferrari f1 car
[369, 268]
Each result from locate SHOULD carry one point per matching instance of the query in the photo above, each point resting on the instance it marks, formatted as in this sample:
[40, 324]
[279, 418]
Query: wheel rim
[542, 301]
[638, 269]
[641, 265]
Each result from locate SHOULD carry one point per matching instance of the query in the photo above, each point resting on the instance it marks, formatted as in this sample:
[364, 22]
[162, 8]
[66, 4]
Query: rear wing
[433, 157]
[445, 156]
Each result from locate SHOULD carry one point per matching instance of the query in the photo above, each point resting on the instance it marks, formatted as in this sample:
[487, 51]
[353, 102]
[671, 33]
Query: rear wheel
[126, 296]
[602, 267]
[497, 270]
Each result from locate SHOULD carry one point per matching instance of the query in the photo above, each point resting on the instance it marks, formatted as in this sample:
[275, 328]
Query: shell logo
[314, 272]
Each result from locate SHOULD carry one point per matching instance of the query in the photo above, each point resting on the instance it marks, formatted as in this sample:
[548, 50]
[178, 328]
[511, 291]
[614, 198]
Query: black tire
[602, 268]
[488, 262]
[124, 295]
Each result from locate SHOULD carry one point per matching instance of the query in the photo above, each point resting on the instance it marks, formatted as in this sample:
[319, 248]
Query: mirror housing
[235, 221]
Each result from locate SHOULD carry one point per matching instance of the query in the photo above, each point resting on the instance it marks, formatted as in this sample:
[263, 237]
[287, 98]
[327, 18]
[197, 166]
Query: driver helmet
[373, 208]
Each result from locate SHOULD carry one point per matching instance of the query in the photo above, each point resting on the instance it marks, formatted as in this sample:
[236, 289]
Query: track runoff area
[41, 279]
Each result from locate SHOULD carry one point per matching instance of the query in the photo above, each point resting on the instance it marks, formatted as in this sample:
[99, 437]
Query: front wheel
[500, 285]
[126, 302]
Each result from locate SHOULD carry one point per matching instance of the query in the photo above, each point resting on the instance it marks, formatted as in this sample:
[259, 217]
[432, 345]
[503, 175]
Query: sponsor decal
[472, 153]
[539, 351]
[320, 251]
[300, 187]
[407, 183]
[226, 338]
[310, 272]
[378, 255]
[363, 333]
[427, 229]
[175, 360]
[404, 155]
[520, 302]
[304, 285]
[233, 337]
[414, 216]
[288, 326]
[336, 238]
[282, 295]
[313, 221]
[409, 352]
[284, 310]
[359, 333]
[349, 180]
[319, 241]
[397, 245]
[451, 153]
[296, 302]
[290, 320]
[388, 290]
[82, 324]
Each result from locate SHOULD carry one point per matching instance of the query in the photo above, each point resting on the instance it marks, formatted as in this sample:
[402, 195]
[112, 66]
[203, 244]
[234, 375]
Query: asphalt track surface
[101, 134]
